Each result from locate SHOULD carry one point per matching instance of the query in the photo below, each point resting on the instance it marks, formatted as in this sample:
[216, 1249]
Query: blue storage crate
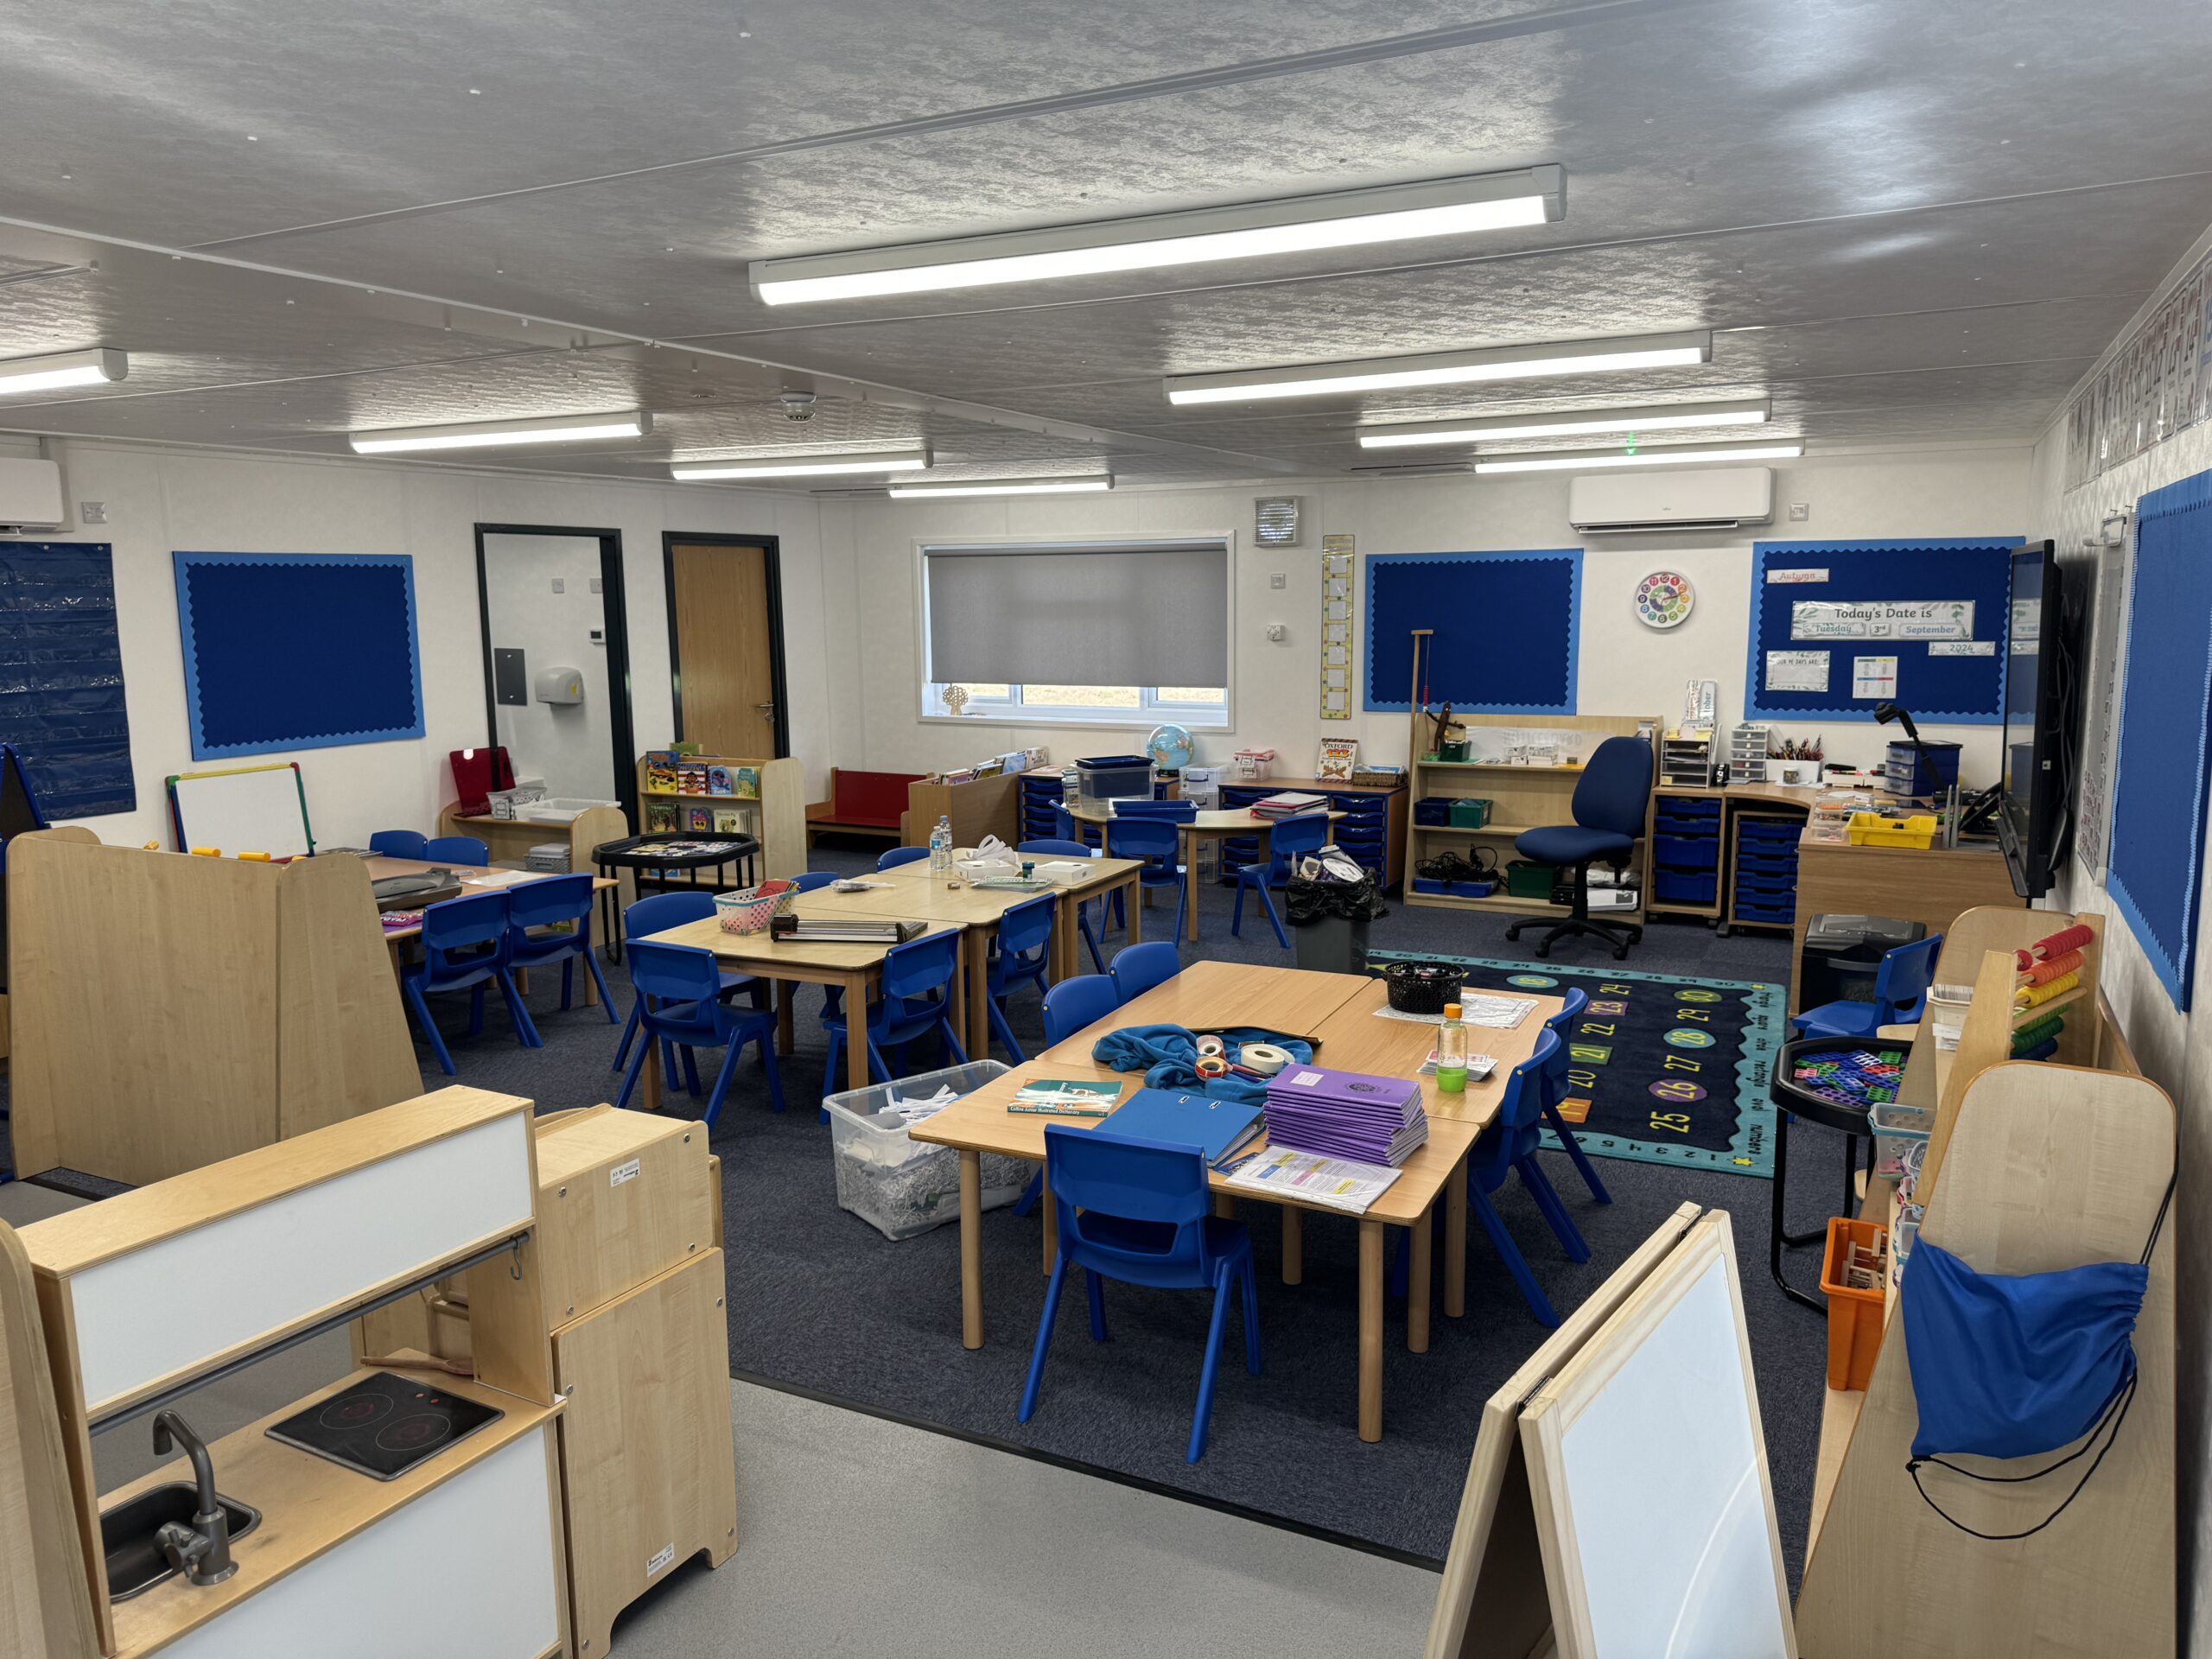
[1688, 852]
[1772, 832]
[1424, 884]
[1767, 915]
[1694, 806]
[1685, 886]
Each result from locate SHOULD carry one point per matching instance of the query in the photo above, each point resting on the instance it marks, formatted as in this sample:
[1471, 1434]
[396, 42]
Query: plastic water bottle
[1451, 1052]
[941, 846]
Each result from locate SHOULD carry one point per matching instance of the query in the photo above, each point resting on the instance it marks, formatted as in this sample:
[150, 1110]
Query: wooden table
[1336, 1010]
[909, 889]
[790, 962]
[472, 879]
[1217, 824]
[1932, 886]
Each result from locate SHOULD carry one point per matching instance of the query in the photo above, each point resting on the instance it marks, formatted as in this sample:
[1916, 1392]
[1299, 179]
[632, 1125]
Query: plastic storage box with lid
[1907, 770]
[1113, 777]
[1897, 1130]
[900, 1186]
[1842, 953]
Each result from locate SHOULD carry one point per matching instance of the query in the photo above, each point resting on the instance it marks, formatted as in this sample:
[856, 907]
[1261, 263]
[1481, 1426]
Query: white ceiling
[1908, 221]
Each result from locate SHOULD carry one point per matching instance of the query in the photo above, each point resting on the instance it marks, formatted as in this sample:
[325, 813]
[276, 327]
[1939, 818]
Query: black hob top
[384, 1424]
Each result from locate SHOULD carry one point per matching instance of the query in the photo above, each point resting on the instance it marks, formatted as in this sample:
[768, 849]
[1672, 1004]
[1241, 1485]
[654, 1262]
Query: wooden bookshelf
[776, 816]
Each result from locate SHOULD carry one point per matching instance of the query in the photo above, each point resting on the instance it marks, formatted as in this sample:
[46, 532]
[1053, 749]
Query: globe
[1169, 747]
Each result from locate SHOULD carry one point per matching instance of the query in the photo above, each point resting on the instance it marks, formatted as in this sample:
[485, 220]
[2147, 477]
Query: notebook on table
[1218, 1128]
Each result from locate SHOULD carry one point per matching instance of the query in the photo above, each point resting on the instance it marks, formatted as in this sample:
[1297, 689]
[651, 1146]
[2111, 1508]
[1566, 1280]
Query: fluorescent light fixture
[499, 435]
[881, 460]
[1605, 460]
[1004, 486]
[20, 374]
[1444, 368]
[1341, 219]
[1645, 418]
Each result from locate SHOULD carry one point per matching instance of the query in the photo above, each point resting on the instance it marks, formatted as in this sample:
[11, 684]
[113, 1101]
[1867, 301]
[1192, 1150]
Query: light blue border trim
[1861, 712]
[1402, 706]
[183, 561]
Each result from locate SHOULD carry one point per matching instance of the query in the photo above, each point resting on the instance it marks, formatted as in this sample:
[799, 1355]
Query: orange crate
[1854, 1315]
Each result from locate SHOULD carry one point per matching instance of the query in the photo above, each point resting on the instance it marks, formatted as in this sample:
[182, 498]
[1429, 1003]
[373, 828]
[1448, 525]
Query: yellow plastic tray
[1873, 829]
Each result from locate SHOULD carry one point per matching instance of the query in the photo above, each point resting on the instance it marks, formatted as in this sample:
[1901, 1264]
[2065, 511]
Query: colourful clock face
[1663, 598]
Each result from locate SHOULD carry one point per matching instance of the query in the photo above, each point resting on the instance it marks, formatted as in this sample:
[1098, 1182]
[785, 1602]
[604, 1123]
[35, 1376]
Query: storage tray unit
[1042, 792]
[1763, 886]
[1364, 831]
[1686, 848]
[1747, 754]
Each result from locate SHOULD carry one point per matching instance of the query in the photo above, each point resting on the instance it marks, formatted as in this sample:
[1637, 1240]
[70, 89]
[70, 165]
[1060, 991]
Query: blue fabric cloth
[1169, 1055]
[2014, 1366]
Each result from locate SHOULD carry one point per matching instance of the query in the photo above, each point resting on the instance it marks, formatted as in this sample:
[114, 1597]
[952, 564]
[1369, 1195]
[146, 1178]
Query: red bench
[860, 803]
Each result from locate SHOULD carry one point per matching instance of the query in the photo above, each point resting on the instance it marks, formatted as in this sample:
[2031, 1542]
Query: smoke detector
[797, 405]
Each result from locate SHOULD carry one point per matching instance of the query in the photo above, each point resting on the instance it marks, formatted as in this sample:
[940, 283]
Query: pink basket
[748, 912]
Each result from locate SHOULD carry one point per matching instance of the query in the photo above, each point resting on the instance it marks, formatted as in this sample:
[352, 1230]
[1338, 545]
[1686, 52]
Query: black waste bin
[1328, 917]
[1843, 953]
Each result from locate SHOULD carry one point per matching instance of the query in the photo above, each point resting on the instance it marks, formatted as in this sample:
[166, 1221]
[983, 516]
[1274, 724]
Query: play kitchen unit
[537, 1429]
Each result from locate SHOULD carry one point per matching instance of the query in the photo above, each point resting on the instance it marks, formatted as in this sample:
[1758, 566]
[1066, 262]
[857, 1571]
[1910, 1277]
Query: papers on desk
[1479, 1066]
[1475, 1008]
[1338, 1183]
[855, 884]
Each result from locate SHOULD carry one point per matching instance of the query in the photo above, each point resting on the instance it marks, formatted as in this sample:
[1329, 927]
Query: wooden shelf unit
[1521, 798]
[509, 840]
[776, 818]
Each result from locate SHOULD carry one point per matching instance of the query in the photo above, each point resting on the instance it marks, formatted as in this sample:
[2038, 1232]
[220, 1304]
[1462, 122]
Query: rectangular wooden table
[1215, 824]
[472, 879]
[1336, 1010]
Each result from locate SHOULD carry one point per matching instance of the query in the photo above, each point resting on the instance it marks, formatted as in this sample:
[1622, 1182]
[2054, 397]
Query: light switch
[560, 584]
[1800, 511]
[1278, 580]
[1277, 633]
[91, 513]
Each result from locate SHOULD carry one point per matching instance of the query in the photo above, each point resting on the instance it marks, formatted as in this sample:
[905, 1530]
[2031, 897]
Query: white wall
[568, 745]
[1625, 667]
[162, 499]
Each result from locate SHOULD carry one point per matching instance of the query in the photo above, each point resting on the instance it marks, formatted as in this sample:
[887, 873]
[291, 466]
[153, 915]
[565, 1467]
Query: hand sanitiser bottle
[941, 846]
[1451, 1052]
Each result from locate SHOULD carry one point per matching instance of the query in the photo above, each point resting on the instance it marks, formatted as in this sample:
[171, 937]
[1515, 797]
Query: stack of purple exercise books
[1346, 1114]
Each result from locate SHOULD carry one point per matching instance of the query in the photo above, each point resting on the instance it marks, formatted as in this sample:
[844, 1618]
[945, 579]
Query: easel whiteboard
[1648, 1463]
[250, 810]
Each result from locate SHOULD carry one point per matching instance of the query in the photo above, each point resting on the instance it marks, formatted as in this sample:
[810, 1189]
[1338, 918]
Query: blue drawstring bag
[2018, 1365]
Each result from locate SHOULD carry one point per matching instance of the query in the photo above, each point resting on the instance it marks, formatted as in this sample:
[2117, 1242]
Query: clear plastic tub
[1901, 1241]
[900, 1186]
[1897, 1130]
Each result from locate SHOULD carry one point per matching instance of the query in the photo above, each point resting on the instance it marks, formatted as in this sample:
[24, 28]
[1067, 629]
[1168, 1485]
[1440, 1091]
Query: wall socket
[1277, 633]
[1278, 579]
[560, 584]
[1800, 511]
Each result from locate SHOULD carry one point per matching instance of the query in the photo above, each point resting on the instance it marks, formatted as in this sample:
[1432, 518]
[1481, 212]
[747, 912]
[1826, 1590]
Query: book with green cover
[1065, 1097]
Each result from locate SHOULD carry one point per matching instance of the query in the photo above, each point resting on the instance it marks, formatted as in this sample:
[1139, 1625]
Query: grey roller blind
[1109, 613]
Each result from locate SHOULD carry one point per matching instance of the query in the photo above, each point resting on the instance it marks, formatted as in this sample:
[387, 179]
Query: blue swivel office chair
[1056, 849]
[1561, 1025]
[1288, 840]
[1900, 987]
[1611, 802]
[1139, 1212]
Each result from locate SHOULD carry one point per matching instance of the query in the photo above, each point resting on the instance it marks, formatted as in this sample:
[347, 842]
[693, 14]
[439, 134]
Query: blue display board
[1934, 685]
[1506, 627]
[62, 704]
[2165, 731]
[286, 651]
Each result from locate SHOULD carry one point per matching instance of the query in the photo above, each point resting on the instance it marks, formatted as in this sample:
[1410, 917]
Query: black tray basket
[1421, 987]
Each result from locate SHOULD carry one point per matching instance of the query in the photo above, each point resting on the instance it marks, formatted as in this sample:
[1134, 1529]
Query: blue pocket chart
[285, 651]
[61, 704]
[1505, 629]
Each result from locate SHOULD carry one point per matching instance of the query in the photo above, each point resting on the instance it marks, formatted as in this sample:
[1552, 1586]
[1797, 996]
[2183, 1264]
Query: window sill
[1139, 723]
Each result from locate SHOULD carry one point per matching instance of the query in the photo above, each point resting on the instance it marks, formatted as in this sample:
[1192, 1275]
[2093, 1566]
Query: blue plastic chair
[1023, 957]
[1069, 1007]
[1900, 987]
[1290, 840]
[898, 856]
[808, 881]
[1070, 850]
[1139, 1212]
[1610, 802]
[680, 1002]
[1561, 1026]
[1158, 843]
[465, 947]
[396, 843]
[656, 914]
[548, 904]
[914, 998]
[1138, 968]
[457, 849]
[1507, 1147]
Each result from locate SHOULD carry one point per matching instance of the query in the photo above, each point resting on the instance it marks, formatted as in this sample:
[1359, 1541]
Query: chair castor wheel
[1620, 953]
[1543, 952]
[1514, 932]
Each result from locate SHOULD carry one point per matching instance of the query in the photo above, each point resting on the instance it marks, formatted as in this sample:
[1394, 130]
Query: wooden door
[725, 647]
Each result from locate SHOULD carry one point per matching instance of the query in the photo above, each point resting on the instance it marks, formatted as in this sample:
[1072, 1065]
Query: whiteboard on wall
[1654, 1509]
[246, 810]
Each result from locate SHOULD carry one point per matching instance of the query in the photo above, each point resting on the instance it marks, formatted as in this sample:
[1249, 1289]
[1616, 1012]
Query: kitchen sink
[135, 1560]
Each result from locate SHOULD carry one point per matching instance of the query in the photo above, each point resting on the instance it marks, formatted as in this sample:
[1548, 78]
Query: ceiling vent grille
[1274, 520]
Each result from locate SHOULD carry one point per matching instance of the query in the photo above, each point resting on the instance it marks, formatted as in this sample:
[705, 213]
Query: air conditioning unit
[30, 495]
[1626, 504]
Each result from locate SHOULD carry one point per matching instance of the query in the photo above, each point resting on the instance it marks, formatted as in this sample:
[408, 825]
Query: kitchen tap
[201, 1551]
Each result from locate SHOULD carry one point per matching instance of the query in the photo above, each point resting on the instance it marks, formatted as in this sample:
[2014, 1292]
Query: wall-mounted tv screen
[2035, 820]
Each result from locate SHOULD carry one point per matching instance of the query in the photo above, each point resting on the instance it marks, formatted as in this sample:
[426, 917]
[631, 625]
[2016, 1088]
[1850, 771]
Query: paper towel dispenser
[560, 685]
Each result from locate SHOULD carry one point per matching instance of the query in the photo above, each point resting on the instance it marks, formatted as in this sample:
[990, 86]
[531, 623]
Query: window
[1034, 632]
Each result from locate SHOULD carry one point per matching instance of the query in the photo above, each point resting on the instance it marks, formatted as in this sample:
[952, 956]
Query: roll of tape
[1264, 1057]
[1212, 1048]
[1211, 1065]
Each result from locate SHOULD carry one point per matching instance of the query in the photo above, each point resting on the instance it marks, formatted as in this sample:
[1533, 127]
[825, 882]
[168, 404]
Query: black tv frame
[2035, 815]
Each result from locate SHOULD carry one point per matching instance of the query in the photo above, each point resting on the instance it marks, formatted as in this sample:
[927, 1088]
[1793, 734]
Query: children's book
[718, 781]
[660, 818]
[660, 770]
[744, 782]
[728, 821]
[1065, 1097]
[700, 821]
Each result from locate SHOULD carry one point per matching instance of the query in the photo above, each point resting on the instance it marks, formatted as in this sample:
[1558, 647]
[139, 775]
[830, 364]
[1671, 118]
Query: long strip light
[1605, 460]
[1004, 486]
[1444, 368]
[881, 460]
[499, 434]
[1341, 219]
[1646, 417]
[89, 368]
